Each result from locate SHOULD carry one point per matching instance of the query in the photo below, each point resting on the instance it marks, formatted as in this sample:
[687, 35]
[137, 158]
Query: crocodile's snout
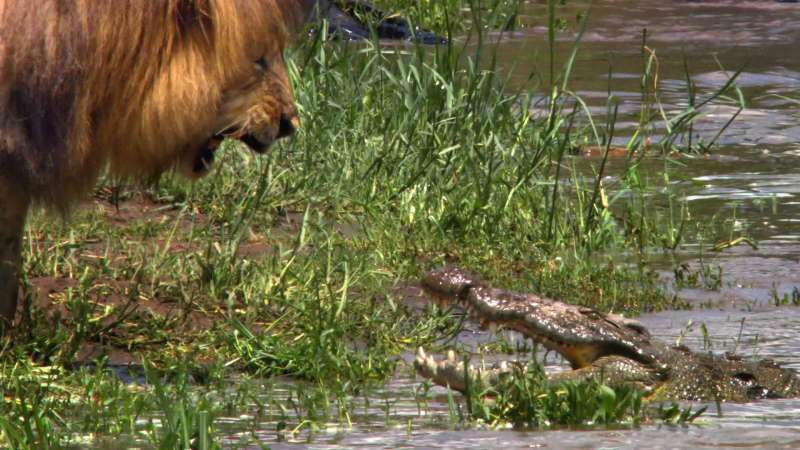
[450, 283]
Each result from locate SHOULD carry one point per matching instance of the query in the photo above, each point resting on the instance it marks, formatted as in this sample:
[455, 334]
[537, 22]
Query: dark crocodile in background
[352, 20]
[608, 346]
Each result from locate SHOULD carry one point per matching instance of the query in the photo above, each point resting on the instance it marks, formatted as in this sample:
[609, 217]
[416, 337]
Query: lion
[137, 87]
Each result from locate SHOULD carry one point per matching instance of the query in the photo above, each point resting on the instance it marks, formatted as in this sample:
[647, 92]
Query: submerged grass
[300, 262]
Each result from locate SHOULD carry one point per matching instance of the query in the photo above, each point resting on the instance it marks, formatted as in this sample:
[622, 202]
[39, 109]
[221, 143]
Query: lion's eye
[262, 64]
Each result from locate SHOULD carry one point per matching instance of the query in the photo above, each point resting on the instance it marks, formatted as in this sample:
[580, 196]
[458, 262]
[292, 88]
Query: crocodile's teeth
[451, 355]
[503, 365]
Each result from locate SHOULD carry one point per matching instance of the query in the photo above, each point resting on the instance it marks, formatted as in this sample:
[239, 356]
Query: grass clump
[527, 399]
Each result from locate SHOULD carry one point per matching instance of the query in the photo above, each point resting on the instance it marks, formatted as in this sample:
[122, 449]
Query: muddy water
[750, 186]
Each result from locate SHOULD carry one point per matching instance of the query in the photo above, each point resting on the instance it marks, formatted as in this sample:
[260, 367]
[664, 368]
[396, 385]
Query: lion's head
[227, 78]
[258, 111]
[139, 86]
[257, 107]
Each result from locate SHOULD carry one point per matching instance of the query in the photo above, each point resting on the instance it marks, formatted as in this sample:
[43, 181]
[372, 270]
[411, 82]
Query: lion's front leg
[13, 209]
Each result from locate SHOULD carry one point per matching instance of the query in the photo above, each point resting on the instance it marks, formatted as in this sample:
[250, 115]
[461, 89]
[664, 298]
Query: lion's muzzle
[257, 142]
[260, 143]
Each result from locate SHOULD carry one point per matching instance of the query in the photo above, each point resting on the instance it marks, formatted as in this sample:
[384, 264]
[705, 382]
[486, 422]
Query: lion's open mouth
[204, 158]
[254, 143]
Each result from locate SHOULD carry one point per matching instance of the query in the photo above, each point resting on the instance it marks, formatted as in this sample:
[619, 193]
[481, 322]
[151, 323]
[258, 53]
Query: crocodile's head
[581, 335]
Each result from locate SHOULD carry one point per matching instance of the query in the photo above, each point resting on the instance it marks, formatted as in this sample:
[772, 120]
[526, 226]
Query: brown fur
[138, 86]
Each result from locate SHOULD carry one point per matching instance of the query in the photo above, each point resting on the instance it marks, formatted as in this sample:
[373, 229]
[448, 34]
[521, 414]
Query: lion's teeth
[451, 355]
[421, 353]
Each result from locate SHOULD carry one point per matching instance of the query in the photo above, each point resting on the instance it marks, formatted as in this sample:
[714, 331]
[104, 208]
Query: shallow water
[751, 183]
[394, 419]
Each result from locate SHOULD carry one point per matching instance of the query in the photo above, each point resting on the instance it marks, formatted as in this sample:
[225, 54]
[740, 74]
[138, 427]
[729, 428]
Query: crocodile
[610, 347]
[347, 19]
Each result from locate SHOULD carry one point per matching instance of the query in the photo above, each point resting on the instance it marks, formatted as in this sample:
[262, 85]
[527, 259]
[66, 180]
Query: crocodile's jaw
[580, 335]
[454, 374]
[578, 356]
[457, 292]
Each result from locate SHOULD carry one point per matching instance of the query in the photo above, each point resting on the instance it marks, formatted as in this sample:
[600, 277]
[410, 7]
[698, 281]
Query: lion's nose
[288, 125]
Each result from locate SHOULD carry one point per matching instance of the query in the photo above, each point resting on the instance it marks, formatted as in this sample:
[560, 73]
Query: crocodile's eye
[262, 64]
[637, 327]
[590, 313]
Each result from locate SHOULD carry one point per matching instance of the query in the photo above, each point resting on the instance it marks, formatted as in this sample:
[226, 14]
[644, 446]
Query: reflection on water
[754, 171]
[754, 174]
[714, 38]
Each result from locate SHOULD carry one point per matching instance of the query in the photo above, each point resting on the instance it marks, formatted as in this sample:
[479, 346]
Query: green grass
[296, 263]
[527, 399]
